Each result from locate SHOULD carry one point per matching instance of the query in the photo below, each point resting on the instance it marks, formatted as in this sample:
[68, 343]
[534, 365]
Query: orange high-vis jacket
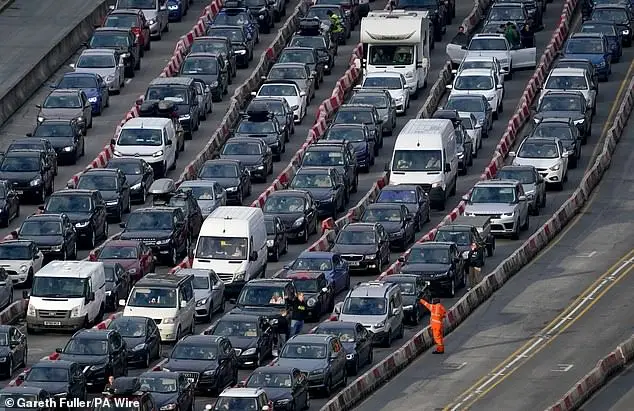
[437, 311]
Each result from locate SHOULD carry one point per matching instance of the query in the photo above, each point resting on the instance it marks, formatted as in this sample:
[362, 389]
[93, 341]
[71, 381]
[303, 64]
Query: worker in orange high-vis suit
[436, 322]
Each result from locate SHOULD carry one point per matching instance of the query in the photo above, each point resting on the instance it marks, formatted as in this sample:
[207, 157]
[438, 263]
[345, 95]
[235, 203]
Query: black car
[470, 243]
[13, 349]
[86, 210]
[29, 173]
[9, 203]
[621, 16]
[362, 114]
[280, 108]
[170, 390]
[127, 390]
[565, 130]
[413, 289]
[232, 175]
[219, 46]
[319, 296]
[567, 105]
[276, 239]
[184, 105]
[259, 123]
[164, 229]
[411, 196]
[286, 387]
[298, 211]
[356, 340]
[255, 157]
[60, 378]
[250, 335]
[123, 41]
[65, 136]
[364, 246]
[113, 186]
[209, 363]
[261, 11]
[439, 15]
[242, 43]
[101, 353]
[53, 234]
[185, 200]
[305, 55]
[210, 69]
[440, 263]
[20, 393]
[337, 154]
[326, 185]
[395, 219]
[142, 338]
[310, 35]
[32, 144]
[363, 144]
[138, 173]
[118, 284]
[516, 13]
[320, 11]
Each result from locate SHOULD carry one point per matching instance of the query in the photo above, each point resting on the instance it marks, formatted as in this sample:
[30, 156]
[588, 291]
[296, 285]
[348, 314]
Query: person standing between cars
[337, 27]
[461, 37]
[527, 36]
[436, 322]
[511, 34]
[299, 315]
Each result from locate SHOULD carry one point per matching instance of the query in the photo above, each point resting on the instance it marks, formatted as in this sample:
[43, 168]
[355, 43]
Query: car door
[592, 90]
[523, 204]
[310, 212]
[170, 148]
[153, 337]
[100, 213]
[76, 381]
[181, 234]
[363, 345]
[561, 149]
[524, 57]
[87, 107]
[119, 352]
[125, 189]
[381, 239]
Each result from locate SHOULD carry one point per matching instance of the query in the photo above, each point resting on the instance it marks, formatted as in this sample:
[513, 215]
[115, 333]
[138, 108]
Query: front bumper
[233, 196]
[25, 191]
[602, 71]
[249, 360]
[242, 59]
[436, 194]
[359, 264]
[397, 239]
[297, 115]
[58, 324]
[294, 232]
[17, 278]
[137, 356]
[136, 194]
[112, 210]
[552, 177]
[364, 159]
[187, 124]
[202, 311]
[316, 382]
[503, 225]
[168, 331]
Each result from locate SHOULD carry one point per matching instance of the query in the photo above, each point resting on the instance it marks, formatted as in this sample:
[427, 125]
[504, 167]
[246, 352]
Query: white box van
[67, 295]
[426, 154]
[232, 242]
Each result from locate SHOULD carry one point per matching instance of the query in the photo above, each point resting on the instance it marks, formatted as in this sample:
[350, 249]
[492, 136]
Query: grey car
[208, 194]
[533, 184]
[504, 201]
[209, 292]
[105, 62]
[67, 104]
[476, 105]
[205, 99]
[155, 12]
[384, 104]
[297, 72]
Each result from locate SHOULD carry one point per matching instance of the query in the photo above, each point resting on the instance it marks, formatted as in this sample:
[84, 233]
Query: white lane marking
[454, 365]
[128, 81]
[587, 255]
[563, 368]
[492, 380]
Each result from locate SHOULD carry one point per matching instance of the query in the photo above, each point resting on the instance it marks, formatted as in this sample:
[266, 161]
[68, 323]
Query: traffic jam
[274, 342]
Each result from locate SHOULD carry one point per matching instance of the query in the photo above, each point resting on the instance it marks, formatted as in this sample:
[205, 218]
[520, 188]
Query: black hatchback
[210, 69]
[53, 234]
[29, 173]
[114, 189]
[138, 173]
[65, 136]
[142, 337]
[297, 210]
[231, 174]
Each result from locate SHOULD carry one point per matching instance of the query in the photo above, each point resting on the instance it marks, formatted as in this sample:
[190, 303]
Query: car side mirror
[464, 47]
[25, 294]
[121, 303]
[253, 256]
[59, 350]
[90, 297]
[287, 267]
[70, 185]
[38, 106]
[302, 94]
[265, 408]
[447, 167]
[253, 94]
[233, 300]
[163, 8]
[521, 198]
[449, 86]
[169, 143]
[72, 65]
[396, 311]
[499, 87]
[478, 126]
[512, 154]
[183, 304]
[564, 155]
[465, 197]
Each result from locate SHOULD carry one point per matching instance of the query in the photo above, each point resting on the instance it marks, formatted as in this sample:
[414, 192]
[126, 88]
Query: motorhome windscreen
[388, 55]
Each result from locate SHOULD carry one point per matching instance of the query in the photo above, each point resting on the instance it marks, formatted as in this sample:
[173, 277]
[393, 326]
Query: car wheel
[451, 293]
[147, 361]
[173, 257]
[276, 256]
[92, 239]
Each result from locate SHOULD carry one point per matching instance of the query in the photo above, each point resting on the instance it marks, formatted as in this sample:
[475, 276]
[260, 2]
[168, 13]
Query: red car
[134, 256]
[131, 19]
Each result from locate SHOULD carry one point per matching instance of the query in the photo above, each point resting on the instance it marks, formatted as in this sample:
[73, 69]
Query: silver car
[204, 97]
[209, 292]
[533, 184]
[383, 102]
[155, 12]
[67, 104]
[209, 194]
[296, 72]
[502, 200]
[105, 62]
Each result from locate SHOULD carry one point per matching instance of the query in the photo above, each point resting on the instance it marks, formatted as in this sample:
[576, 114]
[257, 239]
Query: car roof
[147, 122]
[305, 275]
[24, 243]
[99, 51]
[53, 364]
[111, 29]
[122, 243]
[202, 54]
[475, 72]
[160, 374]
[384, 206]
[45, 217]
[302, 65]
[66, 91]
[310, 338]
[562, 120]
[246, 140]
[200, 340]
[299, 48]
[197, 183]
[108, 171]
[241, 392]
[567, 71]
[384, 74]
[21, 389]
[240, 317]
[92, 334]
[226, 26]
[586, 35]
[269, 282]
[223, 160]
[359, 227]
[433, 244]
[609, 6]
[288, 193]
[400, 278]
[124, 11]
[316, 254]
[314, 170]
[576, 93]
[400, 187]
[73, 191]
[337, 324]
[517, 167]
[497, 183]
[356, 106]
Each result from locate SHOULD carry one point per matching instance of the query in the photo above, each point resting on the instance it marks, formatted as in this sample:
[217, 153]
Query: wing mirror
[564, 155]
[90, 297]
[512, 154]
[499, 87]
[111, 7]
[396, 311]
[121, 303]
[465, 197]
[324, 290]
[183, 304]
[447, 167]
[521, 198]
[72, 65]
[449, 86]
[302, 94]
[25, 294]
[169, 142]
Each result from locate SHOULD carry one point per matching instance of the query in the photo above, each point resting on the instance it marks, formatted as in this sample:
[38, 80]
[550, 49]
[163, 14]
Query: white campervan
[66, 295]
[232, 242]
[425, 153]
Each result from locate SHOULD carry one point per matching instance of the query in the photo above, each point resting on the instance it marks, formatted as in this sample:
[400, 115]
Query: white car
[20, 259]
[394, 83]
[547, 155]
[474, 129]
[106, 63]
[288, 90]
[479, 82]
[494, 45]
[571, 79]
[482, 62]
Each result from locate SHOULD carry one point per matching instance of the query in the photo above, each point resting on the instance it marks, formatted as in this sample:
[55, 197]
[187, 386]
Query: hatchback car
[65, 136]
[571, 79]
[384, 104]
[547, 155]
[232, 175]
[394, 83]
[254, 154]
[566, 105]
[565, 130]
[533, 184]
[619, 15]
[358, 135]
[298, 211]
[67, 104]
[364, 246]
[326, 185]
[106, 63]
[593, 47]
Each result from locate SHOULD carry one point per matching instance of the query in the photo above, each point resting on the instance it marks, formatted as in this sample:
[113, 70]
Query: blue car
[238, 16]
[610, 32]
[331, 264]
[592, 47]
[92, 84]
[177, 9]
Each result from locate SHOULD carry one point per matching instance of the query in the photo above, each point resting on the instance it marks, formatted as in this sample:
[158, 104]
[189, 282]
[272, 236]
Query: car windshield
[417, 160]
[236, 404]
[306, 285]
[397, 196]
[372, 100]
[62, 101]
[306, 351]
[222, 248]
[560, 131]
[566, 83]
[86, 346]
[140, 137]
[354, 117]
[458, 237]
[136, 4]
[406, 288]
[148, 220]
[345, 334]
[584, 46]
[201, 192]
[312, 264]
[278, 90]
[467, 123]
[121, 20]
[287, 73]
[152, 297]
[306, 180]
[234, 35]
[206, 46]
[349, 134]
[21, 164]
[194, 352]
[77, 82]
[229, 328]
[275, 107]
[499, 195]
[59, 287]
[97, 182]
[200, 65]
[96, 61]
[256, 127]
[606, 29]
[261, 296]
[128, 168]
[429, 255]
[284, 205]
[128, 327]
[270, 380]
[484, 44]
[617, 16]
[109, 271]
[115, 252]
[178, 95]
[44, 374]
[297, 56]
[386, 55]
[69, 204]
[313, 42]
[201, 283]
[377, 215]
[240, 149]
[10, 251]
[231, 19]
[354, 237]
[41, 228]
[53, 130]
[364, 306]
[109, 40]
[475, 64]
[322, 12]
[473, 83]
[159, 385]
[538, 149]
[523, 176]
[389, 83]
[469, 105]
[561, 103]
[210, 171]
[506, 14]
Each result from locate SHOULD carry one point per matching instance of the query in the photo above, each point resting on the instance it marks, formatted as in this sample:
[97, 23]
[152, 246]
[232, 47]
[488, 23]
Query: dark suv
[53, 234]
[181, 91]
[114, 189]
[29, 173]
[57, 377]
[219, 46]
[259, 123]
[36, 144]
[362, 114]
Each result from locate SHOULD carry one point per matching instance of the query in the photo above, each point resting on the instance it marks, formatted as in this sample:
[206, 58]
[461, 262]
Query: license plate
[51, 323]
[191, 379]
[20, 192]
[355, 263]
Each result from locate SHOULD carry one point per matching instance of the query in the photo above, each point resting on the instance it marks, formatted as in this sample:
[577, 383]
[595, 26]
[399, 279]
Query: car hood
[84, 360]
[391, 226]
[575, 115]
[360, 147]
[536, 162]
[226, 182]
[243, 343]
[593, 58]
[132, 342]
[490, 208]
[146, 234]
[305, 365]
[288, 218]
[528, 188]
[109, 195]
[320, 194]
[367, 320]
[200, 294]
[103, 72]
[61, 142]
[164, 398]
[266, 311]
[205, 78]
[417, 268]
[190, 365]
[52, 387]
[62, 113]
[276, 394]
[14, 265]
[149, 14]
[127, 264]
[133, 179]
[43, 240]
[19, 176]
[206, 206]
[245, 160]
[354, 248]
[78, 217]
[135, 151]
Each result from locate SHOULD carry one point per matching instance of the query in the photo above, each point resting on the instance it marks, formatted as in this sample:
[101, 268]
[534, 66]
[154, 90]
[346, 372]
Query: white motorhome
[232, 242]
[66, 295]
[425, 154]
[398, 41]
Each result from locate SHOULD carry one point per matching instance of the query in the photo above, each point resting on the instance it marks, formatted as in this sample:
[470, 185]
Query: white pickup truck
[494, 45]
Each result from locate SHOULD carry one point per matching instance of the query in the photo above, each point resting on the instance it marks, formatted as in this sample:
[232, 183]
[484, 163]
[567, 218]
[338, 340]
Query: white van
[426, 154]
[66, 295]
[168, 299]
[232, 242]
[152, 139]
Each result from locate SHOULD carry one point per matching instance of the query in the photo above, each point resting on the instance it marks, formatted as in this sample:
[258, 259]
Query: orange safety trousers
[436, 318]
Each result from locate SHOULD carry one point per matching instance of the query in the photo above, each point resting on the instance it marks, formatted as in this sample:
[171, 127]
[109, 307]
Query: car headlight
[137, 186]
[408, 307]
[298, 222]
[56, 248]
[555, 167]
[171, 7]
[92, 99]
[24, 268]
[151, 21]
[601, 64]
[436, 185]
[139, 347]
[232, 189]
[508, 214]
[349, 356]
[250, 351]
[158, 153]
[97, 367]
[379, 325]
[132, 271]
[260, 167]
[169, 320]
[108, 293]
[311, 302]
[282, 401]
[68, 149]
[81, 119]
[241, 52]
[184, 117]
[269, 243]
[40, 118]
[30, 311]
[163, 242]
[75, 312]
[580, 121]
[112, 203]
[169, 407]
[82, 224]
[209, 372]
[110, 78]
[201, 302]
[626, 32]
[370, 256]
[296, 107]
[239, 276]
[35, 182]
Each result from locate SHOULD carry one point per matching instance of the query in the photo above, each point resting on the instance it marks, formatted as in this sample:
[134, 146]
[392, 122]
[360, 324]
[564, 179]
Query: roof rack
[309, 27]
